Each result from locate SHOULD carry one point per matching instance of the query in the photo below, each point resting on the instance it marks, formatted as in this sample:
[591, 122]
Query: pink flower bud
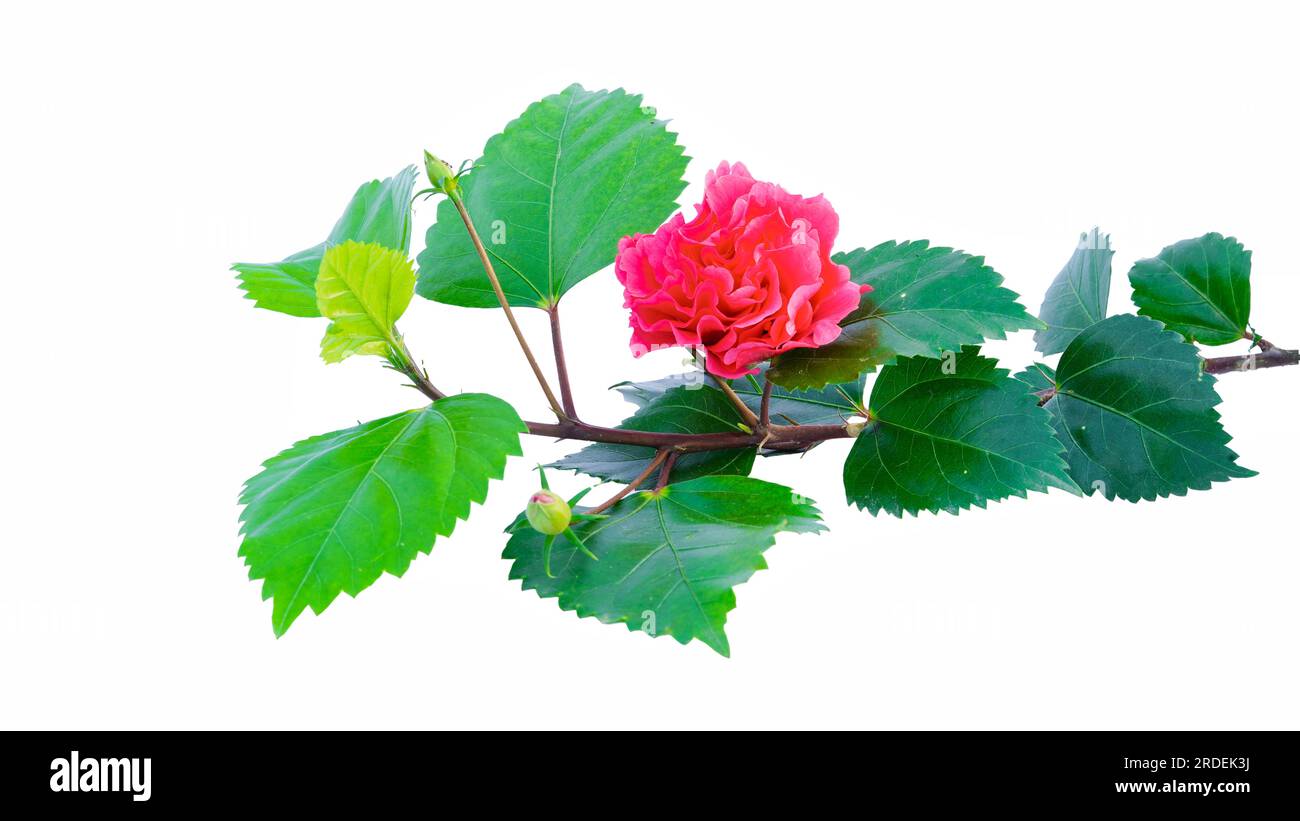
[548, 513]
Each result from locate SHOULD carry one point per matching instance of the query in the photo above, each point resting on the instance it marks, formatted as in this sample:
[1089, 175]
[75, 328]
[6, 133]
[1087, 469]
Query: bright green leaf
[364, 289]
[1079, 295]
[334, 512]
[1136, 413]
[949, 433]
[668, 560]
[551, 197]
[1198, 287]
[379, 212]
[683, 409]
[923, 301]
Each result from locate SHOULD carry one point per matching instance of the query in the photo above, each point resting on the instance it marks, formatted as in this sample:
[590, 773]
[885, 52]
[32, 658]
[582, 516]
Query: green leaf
[1136, 413]
[1038, 377]
[364, 289]
[551, 197]
[949, 433]
[684, 409]
[1198, 287]
[1079, 295]
[379, 212]
[668, 560]
[829, 405]
[923, 301]
[333, 512]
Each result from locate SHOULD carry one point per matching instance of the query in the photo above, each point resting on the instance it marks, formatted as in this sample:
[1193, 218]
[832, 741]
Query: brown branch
[1269, 356]
[780, 437]
[631, 486]
[561, 367]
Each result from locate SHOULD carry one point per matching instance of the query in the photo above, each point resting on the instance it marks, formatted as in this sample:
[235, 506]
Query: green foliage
[1078, 296]
[1198, 287]
[551, 197]
[379, 212]
[1136, 413]
[1128, 411]
[668, 560]
[948, 434]
[364, 289]
[923, 301]
[334, 512]
[683, 409]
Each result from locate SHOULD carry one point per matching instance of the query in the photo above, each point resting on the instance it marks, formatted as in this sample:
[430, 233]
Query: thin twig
[505, 305]
[666, 471]
[561, 367]
[630, 486]
[746, 414]
[765, 405]
[405, 363]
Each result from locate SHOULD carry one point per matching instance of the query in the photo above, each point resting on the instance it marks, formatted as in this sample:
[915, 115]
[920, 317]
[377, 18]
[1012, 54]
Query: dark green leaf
[1136, 413]
[825, 406]
[334, 512]
[923, 301]
[949, 433]
[1079, 295]
[379, 212]
[685, 409]
[668, 560]
[551, 197]
[1198, 287]
[1038, 377]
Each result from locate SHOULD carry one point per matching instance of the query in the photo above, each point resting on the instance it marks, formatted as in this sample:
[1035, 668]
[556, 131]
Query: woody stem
[1269, 356]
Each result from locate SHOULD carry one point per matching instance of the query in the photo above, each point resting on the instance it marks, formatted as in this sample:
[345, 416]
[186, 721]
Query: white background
[146, 148]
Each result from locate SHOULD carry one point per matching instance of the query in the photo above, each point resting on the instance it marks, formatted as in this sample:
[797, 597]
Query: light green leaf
[945, 435]
[379, 212]
[364, 289]
[1136, 413]
[551, 197]
[923, 301]
[1198, 287]
[668, 560]
[334, 512]
[682, 409]
[1079, 295]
